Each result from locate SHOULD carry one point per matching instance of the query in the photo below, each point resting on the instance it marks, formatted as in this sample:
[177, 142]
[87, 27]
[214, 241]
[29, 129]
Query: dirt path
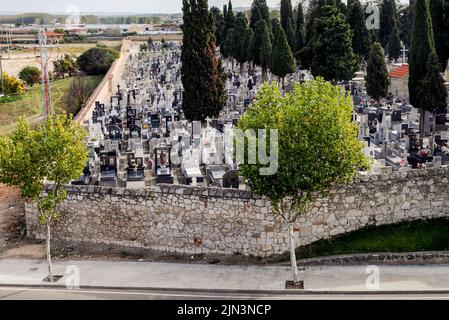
[12, 227]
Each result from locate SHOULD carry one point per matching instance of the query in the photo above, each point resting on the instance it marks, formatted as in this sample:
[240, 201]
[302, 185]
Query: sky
[112, 6]
[109, 6]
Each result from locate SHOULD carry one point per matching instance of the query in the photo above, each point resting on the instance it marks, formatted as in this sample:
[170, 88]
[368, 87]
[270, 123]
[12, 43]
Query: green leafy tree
[11, 85]
[394, 45]
[357, 21]
[30, 75]
[53, 153]
[329, 51]
[282, 61]
[377, 79]
[311, 160]
[96, 61]
[422, 46]
[65, 65]
[202, 74]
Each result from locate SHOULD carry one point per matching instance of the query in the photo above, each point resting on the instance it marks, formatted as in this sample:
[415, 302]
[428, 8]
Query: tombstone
[135, 132]
[108, 168]
[115, 132]
[215, 174]
[163, 166]
[231, 179]
[135, 172]
[396, 116]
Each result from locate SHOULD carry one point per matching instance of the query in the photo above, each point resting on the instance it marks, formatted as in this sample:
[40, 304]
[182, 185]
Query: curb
[232, 291]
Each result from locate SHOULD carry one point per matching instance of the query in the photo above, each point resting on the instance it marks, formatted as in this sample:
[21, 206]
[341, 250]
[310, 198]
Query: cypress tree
[439, 31]
[219, 21]
[394, 45]
[422, 46]
[290, 34]
[377, 79]
[202, 75]
[282, 62]
[286, 13]
[241, 39]
[300, 31]
[266, 48]
[259, 10]
[432, 92]
[406, 23]
[330, 50]
[388, 19]
[229, 19]
[357, 21]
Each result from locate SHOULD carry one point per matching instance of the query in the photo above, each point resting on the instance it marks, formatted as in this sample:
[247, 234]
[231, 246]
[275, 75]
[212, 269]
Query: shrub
[97, 61]
[30, 75]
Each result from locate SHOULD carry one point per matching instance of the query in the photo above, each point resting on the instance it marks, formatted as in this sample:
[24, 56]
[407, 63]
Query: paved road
[30, 293]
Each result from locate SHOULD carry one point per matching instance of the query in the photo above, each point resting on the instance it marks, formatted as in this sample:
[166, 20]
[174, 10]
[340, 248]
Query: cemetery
[155, 180]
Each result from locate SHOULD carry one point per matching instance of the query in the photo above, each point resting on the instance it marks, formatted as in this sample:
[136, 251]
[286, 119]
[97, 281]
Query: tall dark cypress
[300, 31]
[394, 45]
[203, 77]
[422, 46]
[290, 34]
[282, 62]
[439, 31]
[259, 10]
[357, 21]
[388, 19]
[377, 80]
[286, 13]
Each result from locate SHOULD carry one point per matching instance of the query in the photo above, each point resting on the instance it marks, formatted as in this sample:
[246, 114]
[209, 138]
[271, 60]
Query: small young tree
[79, 92]
[377, 79]
[65, 65]
[30, 75]
[317, 148]
[54, 152]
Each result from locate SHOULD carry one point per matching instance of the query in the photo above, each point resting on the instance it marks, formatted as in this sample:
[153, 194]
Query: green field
[30, 103]
[421, 235]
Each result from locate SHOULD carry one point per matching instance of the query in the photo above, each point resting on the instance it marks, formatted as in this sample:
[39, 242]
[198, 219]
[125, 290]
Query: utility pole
[1, 75]
[44, 59]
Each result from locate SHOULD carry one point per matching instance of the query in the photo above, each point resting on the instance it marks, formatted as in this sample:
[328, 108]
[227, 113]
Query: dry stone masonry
[192, 220]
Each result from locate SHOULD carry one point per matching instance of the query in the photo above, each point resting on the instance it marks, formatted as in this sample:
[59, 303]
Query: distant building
[399, 75]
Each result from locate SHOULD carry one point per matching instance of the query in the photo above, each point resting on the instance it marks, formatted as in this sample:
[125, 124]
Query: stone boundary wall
[196, 220]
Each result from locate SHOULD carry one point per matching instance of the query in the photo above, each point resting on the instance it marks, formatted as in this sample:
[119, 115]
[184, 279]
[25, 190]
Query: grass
[421, 235]
[30, 103]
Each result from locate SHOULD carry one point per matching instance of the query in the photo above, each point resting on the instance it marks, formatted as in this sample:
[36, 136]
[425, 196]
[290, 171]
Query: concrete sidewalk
[218, 277]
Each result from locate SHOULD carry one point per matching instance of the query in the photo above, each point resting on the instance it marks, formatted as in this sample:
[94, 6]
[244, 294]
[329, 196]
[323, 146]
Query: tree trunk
[293, 253]
[50, 267]
[264, 74]
[434, 124]
[422, 120]
[242, 66]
